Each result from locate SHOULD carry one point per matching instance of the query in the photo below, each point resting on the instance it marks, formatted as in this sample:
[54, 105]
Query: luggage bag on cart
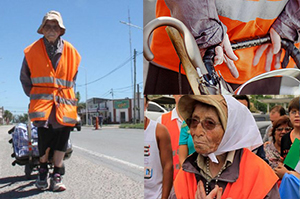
[25, 147]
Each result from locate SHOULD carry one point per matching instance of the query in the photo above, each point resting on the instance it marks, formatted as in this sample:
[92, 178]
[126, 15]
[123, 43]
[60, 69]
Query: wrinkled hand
[270, 49]
[225, 53]
[215, 193]
[280, 170]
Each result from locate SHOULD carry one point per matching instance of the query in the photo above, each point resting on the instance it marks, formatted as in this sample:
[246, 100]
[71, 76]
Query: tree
[80, 105]
[8, 116]
[258, 106]
[23, 118]
[78, 97]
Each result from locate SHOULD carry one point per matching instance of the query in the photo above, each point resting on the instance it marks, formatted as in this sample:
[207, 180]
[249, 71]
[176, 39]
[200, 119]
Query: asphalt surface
[106, 163]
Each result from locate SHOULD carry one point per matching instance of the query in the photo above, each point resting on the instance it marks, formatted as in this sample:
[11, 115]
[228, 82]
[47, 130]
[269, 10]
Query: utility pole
[112, 93]
[129, 24]
[138, 100]
[86, 97]
[130, 43]
[134, 87]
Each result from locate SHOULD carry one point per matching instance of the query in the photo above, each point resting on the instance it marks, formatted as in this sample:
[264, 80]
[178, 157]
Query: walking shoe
[41, 182]
[56, 183]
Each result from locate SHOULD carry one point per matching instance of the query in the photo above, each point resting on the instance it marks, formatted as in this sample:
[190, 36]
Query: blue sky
[94, 29]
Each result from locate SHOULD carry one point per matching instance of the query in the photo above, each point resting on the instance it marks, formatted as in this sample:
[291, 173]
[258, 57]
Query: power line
[107, 73]
[118, 67]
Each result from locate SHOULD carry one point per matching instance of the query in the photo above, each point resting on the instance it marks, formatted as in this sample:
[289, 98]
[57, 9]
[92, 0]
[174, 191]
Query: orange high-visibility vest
[256, 179]
[52, 87]
[238, 28]
[174, 132]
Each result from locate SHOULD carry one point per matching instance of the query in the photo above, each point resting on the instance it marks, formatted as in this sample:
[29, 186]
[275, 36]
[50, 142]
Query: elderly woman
[281, 126]
[48, 75]
[224, 133]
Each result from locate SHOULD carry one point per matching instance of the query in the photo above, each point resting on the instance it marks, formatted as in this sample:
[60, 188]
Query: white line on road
[110, 158]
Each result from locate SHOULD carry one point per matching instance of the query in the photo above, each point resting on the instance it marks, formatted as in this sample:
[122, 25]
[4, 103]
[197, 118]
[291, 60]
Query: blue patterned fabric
[20, 141]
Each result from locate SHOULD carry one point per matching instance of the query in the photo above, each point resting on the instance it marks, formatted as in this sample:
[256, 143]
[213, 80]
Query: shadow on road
[20, 191]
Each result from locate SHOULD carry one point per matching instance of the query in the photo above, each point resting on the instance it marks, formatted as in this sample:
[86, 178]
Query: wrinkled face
[51, 30]
[295, 117]
[208, 134]
[280, 131]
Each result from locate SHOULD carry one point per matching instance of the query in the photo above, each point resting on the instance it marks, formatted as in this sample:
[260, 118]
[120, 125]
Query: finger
[228, 49]
[201, 189]
[232, 68]
[276, 41]
[198, 192]
[259, 53]
[218, 56]
[219, 193]
[269, 59]
[213, 192]
[277, 60]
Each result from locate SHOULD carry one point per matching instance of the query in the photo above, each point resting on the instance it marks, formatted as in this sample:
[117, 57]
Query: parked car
[261, 117]
[262, 126]
[154, 110]
[78, 124]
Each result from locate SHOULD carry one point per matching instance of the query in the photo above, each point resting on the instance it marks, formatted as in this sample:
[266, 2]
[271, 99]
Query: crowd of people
[217, 151]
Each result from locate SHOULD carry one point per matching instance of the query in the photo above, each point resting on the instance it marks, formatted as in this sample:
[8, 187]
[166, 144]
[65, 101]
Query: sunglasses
[207, 124]
[287, 129]
[49, 27]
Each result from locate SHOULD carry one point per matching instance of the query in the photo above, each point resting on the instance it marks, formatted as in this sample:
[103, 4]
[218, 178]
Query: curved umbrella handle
[190, 44]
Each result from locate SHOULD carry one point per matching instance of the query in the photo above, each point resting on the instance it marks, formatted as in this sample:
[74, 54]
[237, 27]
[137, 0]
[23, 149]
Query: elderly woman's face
[207, 134]
[51, 30]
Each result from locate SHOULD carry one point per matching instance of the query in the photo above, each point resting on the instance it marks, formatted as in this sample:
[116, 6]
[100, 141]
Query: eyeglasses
[294, 112]
[287, 129]
[207, 124]
[49, 27]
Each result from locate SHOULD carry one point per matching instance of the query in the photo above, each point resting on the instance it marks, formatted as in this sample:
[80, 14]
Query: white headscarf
[241, 130]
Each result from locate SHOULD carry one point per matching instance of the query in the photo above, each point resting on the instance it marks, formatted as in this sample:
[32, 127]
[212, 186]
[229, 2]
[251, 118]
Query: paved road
[106, 163]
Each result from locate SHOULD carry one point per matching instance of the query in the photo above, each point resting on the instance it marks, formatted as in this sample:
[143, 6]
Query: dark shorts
[55, 139]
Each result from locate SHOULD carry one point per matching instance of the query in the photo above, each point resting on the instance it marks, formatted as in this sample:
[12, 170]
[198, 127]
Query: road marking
[110, 158]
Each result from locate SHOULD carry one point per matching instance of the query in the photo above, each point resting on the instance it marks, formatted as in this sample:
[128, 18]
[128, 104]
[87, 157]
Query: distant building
[114, 111]
[1, 115]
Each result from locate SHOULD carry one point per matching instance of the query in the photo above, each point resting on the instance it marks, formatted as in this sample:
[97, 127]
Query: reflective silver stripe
[41, 96]
[69, 120]
[39, 80]
[246, 10]
[65, 101]
[36, 115]
[65, 83]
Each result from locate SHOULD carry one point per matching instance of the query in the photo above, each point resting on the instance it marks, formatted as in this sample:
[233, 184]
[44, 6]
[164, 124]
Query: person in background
[244, 99]
[288, 139]
[48, 75]
[290, 185]
[223, 131]
[275, 113]
[186, 144]
[101, 120]
[173, 121]
[158, 165]
[281, 126]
